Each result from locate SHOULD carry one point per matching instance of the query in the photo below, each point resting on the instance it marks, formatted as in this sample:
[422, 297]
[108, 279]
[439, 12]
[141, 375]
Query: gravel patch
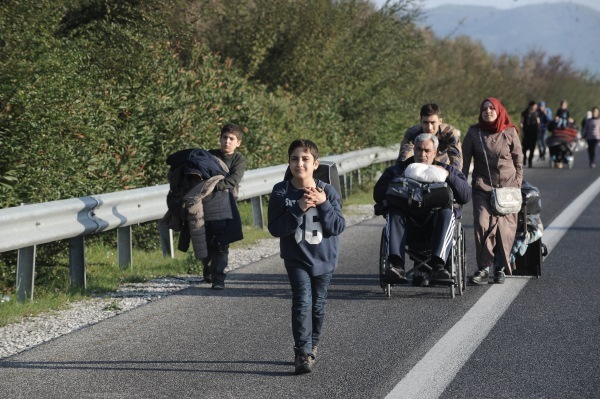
[33, 331]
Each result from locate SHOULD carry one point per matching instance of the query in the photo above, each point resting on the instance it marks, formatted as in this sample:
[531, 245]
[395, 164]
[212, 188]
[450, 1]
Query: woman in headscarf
[494, 235]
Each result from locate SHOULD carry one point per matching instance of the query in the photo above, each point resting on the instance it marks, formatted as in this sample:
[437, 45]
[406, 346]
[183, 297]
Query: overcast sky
[595, 4]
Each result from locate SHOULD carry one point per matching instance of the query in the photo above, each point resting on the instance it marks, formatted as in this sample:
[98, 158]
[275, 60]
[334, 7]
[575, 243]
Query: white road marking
[436, 370]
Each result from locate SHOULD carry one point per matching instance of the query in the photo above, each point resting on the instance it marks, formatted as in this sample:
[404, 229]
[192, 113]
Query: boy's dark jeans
[216, 262]
[308, 304]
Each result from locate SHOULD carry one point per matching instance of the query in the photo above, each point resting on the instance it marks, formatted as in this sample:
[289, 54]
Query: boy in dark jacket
[218, 254]
[307, 216]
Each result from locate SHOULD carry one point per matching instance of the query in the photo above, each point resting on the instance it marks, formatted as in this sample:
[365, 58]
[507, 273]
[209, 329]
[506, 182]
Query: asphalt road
[419, 343]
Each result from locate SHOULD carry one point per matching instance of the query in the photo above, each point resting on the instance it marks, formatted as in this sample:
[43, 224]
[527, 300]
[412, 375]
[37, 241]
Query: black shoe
[480, 277]
[441, 274]
[499, 277]
[396, 274]
[303, 362]
[420, 280]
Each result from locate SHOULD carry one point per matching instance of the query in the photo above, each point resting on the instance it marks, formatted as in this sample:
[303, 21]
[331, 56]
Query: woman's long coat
[494, 235]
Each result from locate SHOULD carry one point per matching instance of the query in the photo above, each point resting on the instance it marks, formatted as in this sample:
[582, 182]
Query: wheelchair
[419, 252]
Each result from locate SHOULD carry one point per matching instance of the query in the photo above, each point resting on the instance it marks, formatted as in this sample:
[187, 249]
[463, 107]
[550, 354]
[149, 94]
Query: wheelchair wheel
[464, 259]
[461, 272]
[383, 265]
[458, 277]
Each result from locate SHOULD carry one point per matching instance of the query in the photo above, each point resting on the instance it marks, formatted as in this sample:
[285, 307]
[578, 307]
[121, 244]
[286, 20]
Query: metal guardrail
[24, 227]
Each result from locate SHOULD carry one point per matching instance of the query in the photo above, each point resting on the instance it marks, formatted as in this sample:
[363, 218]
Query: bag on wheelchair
[418, 198]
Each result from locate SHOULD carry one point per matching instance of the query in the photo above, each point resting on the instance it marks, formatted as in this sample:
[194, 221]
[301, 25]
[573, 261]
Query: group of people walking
[306, 214]
[493, 147]
[537, 121]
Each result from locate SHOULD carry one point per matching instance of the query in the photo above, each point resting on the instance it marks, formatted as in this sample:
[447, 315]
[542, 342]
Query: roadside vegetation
[95, 94]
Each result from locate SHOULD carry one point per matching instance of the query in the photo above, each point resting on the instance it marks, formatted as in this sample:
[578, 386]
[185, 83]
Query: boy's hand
[314, 195]
[304, 203]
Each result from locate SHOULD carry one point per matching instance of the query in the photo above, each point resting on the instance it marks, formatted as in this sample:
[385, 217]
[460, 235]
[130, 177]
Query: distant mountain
[566, 29]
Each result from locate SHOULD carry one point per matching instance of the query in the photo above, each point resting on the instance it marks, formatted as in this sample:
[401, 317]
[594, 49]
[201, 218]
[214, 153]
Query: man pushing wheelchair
[422, 199]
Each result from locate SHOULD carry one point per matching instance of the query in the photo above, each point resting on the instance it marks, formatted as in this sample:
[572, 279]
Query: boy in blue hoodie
[306, 214]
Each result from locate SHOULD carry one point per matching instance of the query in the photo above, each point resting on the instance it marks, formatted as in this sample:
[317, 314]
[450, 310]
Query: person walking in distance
[545, 114]
[591, 132]
[530, 125]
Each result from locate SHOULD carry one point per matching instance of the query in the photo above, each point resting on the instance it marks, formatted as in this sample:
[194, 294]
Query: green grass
[103, 274]
[362, 195]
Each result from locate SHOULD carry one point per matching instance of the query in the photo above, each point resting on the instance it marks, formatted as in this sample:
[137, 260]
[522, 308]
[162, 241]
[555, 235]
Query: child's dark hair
[306, 144]
[232, 128]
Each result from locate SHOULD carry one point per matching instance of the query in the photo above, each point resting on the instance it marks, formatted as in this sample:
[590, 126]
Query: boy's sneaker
[481, 277]
[499, 277]
[303, 363]
[218, 283]
[218, 286]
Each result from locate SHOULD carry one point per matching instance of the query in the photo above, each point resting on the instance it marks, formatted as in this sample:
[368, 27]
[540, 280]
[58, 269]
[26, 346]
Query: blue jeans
[542, 142]
[308, 304]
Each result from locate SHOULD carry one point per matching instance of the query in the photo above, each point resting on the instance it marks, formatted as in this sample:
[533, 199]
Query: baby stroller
[561, 146]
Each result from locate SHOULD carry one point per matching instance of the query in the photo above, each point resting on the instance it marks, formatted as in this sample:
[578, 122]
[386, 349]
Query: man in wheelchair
[419, 197]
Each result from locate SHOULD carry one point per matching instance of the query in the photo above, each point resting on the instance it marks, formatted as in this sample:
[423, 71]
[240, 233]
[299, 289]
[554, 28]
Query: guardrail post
[25, 273]
[257, 211]
[77, 262]
[124, 247]
[166, 241]
[344, 184]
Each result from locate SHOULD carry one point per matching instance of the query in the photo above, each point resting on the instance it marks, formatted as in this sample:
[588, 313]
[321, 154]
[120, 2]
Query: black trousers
[592, 143]
[529, 142]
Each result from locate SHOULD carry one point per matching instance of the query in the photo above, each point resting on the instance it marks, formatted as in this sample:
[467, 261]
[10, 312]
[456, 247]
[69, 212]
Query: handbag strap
[486, 158]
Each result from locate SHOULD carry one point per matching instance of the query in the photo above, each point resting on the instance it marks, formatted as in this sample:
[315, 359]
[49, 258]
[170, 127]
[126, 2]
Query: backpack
[531, 119]
[418, 199]
[326, 172]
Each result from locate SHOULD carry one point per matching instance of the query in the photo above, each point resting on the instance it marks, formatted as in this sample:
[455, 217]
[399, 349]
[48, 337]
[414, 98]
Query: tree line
[95, 94]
